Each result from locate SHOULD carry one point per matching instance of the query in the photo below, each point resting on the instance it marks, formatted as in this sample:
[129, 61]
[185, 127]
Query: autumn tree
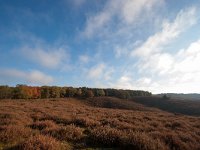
[5, 92]
[63, 92]
[29, 92]
[89, 94]
[78, 92]
[45, 92]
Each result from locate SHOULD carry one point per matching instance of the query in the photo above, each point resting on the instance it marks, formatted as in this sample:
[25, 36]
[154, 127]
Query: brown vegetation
[40, 142]
[187, 107]
[77, 124]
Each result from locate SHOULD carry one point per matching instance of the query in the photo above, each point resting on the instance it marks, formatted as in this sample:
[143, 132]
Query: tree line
[33, 92]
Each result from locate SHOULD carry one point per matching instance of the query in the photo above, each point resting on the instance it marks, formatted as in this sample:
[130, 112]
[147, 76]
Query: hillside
[93, 123]
[116, 103]
[193, 96]
[187, 107]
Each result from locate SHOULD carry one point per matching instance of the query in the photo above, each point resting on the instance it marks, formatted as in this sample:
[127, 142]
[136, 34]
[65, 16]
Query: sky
[128, 44]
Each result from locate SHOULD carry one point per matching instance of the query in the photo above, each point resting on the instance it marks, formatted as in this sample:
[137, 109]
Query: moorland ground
[92, 123]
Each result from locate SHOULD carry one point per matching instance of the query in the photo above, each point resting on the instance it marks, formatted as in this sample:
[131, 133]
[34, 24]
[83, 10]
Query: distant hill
[145, 103]
[187, 107]
[192, 96]
[116, 103]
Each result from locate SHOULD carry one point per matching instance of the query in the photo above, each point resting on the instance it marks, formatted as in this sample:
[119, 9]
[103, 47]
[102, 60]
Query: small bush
[141, 141]
[13, 133]
[105, 135]
[66, 133]
[40, 142]
[40, 125]
[85, 122]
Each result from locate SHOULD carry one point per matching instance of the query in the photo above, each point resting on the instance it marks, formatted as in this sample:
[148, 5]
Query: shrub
[105, 135]
[141, 141]
[85, 122]
[66, 133]
[13, 133]
[40, 142]
[40, 125]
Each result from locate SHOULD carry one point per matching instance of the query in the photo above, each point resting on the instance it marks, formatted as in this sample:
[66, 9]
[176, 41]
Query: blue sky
[130, 44]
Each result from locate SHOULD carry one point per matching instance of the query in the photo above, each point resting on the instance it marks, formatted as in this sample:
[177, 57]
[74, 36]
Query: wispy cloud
[35, 49]
[152, 55]
[78, 3]
[161, 71]
[96, 71]
[171, 30]
[126, 12]
[133, 11]
[100, 72]
[84, 59]
[52, 58]
[34, 77]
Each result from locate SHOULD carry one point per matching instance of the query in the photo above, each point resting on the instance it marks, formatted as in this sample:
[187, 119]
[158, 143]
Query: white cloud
[129, 82]
[151, 54]
[78, 3]
[32, 77]
[108, 73]
[187, 61]
[119, 51]
[39, 77]
[133, 10]
[47, 57]
[184, 19]
[95, 23]
[84, 59]
[124, 82]
[177, 72]
[100, 73]
[161, 71]
[127, 12]
[96, 71]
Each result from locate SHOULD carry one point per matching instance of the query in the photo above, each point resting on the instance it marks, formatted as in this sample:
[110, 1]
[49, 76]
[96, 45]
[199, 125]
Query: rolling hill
[96, 123]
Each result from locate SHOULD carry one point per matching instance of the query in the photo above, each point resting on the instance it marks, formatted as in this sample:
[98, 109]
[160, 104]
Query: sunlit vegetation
[95, 122]
[29, 92]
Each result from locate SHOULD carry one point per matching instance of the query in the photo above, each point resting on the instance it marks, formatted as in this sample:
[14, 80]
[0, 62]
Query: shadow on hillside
[171, 105]
[116, 103]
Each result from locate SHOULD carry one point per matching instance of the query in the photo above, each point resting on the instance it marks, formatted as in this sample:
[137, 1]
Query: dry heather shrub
[40, 142]
[173, 125]
[8, 119]
[14, 118]
[155, 124]
[174, 142]
[5, 116]
[59, 119]
[40, 125]
[65, 133]
[13, 133]
[85, 122]
[111, 137]
[125, 126]
[105, 135]
[141, 141]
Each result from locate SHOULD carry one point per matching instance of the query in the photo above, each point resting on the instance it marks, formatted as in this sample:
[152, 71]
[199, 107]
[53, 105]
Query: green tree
[54, 92]
[99, 92]
[45, 92]
[5, 92]
[71, 92]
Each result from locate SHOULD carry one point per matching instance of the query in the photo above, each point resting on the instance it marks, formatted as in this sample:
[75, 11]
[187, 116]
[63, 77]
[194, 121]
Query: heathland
[96, 122]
